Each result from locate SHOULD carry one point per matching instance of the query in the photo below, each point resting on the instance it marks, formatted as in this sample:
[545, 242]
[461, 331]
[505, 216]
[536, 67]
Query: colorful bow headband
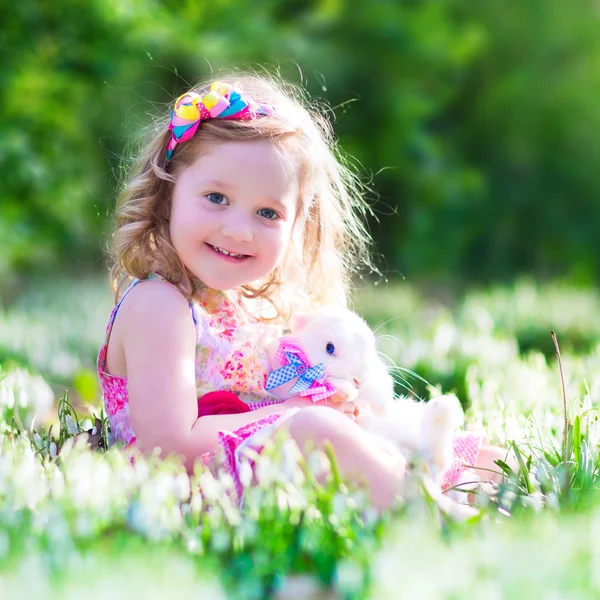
[222, 102]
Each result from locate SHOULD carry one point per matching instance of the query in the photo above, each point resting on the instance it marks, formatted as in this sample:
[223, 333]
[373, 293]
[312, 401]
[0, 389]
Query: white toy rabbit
[332, 354]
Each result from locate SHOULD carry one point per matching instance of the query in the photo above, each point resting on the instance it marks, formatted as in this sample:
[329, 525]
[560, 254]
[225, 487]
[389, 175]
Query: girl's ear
[299, 321]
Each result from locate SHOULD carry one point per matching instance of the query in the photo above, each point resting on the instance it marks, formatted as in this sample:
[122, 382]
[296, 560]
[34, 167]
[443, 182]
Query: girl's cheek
[284, 238]
[275, 232]
[286, 231]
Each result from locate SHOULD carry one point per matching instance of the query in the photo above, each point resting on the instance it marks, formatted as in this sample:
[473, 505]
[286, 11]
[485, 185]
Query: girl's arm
[159, 343]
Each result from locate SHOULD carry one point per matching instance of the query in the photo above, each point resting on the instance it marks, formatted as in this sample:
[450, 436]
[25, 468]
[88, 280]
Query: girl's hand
[345, 390]
[297, 402]
[346, 407]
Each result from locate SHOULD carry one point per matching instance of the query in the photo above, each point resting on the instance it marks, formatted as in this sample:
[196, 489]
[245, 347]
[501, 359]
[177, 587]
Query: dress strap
[157, 277]
[115, 310]
[111, 320]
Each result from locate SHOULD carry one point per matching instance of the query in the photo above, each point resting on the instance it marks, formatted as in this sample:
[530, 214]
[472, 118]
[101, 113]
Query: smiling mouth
[226, 252]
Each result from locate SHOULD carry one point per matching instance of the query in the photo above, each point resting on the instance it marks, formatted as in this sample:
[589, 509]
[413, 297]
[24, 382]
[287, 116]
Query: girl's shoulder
[155, 299]
[149, 312]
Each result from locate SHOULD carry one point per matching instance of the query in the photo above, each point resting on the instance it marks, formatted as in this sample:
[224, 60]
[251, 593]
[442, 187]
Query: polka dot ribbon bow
[223, 101]
[296, 364]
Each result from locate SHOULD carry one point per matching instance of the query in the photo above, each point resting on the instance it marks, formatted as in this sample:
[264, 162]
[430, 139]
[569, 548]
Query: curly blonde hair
[329, 240]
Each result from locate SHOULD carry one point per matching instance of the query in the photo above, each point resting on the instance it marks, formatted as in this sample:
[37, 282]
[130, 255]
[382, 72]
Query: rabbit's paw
[444, 413]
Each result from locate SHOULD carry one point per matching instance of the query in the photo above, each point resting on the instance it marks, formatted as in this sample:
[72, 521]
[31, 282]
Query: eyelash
[214, 194]
[275, 217]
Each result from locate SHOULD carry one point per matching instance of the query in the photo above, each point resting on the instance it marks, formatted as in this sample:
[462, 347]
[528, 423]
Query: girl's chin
[227, 281]
[221, 285]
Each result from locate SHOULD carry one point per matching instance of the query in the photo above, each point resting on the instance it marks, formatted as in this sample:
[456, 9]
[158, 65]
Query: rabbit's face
[339, 339]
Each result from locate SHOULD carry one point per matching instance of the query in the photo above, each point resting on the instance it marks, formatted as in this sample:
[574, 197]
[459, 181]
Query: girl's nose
[238, 229]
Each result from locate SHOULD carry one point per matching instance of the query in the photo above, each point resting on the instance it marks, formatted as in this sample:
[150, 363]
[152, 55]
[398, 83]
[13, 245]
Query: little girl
[238, 213]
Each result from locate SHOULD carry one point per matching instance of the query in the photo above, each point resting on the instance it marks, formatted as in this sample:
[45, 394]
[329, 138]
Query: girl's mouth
[225, 254]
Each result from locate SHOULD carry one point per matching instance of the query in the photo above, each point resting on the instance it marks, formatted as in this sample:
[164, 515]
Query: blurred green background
[477, 122]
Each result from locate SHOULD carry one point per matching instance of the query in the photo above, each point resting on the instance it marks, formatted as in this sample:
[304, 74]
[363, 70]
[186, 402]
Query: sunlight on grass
[65, 509]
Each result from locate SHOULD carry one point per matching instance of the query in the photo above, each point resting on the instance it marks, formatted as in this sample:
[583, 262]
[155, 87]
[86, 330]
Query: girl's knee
[486, 462]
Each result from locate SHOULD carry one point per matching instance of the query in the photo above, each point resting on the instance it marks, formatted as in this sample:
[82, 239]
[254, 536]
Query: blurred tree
[59, 124]
[525, 122]
[476, 119]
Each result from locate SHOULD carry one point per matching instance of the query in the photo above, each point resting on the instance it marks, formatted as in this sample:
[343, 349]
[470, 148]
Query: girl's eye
[216, 198]
[268, 213]
[330, 348]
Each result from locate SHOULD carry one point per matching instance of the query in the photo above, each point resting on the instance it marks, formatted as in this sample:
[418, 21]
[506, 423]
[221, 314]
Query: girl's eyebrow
[215, 183]
[276, 202]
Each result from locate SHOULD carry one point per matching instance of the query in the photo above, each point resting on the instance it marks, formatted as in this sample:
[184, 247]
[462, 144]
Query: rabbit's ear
[299, 321]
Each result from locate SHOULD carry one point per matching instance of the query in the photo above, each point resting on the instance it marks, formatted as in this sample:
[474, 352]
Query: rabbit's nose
[356, 382]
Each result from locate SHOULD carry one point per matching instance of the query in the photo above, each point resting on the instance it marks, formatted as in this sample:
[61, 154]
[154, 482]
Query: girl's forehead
[256, 163]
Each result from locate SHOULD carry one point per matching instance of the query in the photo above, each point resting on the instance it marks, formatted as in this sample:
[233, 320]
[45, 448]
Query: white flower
[290, 469]
[56, 481]
[72, 428]
[196, 502]
[245, 473]
[7, 396]
[37, 440]
[552, 501]
[181, 486]
[84, 524]
[370, 515]
[220, 540]
[299, 586]
[267, 472]
[248, 529]
[445, 337]
[535, 501]
[340, 504]
[209, 486]
[349, 577]
[193, 544]
[319, 464]
[42, 394]
[297, 498]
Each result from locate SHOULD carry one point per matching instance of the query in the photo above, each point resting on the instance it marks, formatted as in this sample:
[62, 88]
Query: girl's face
[232, 212]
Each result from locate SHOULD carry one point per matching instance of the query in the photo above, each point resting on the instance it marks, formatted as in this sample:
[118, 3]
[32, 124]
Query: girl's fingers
[348, 408]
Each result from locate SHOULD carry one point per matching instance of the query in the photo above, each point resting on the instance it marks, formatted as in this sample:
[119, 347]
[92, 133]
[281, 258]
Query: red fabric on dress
[221, 403]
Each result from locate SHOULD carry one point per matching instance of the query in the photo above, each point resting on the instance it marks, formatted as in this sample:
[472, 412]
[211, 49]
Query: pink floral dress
[230, 356]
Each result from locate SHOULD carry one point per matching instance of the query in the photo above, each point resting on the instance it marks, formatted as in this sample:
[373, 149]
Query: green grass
[89, 521]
